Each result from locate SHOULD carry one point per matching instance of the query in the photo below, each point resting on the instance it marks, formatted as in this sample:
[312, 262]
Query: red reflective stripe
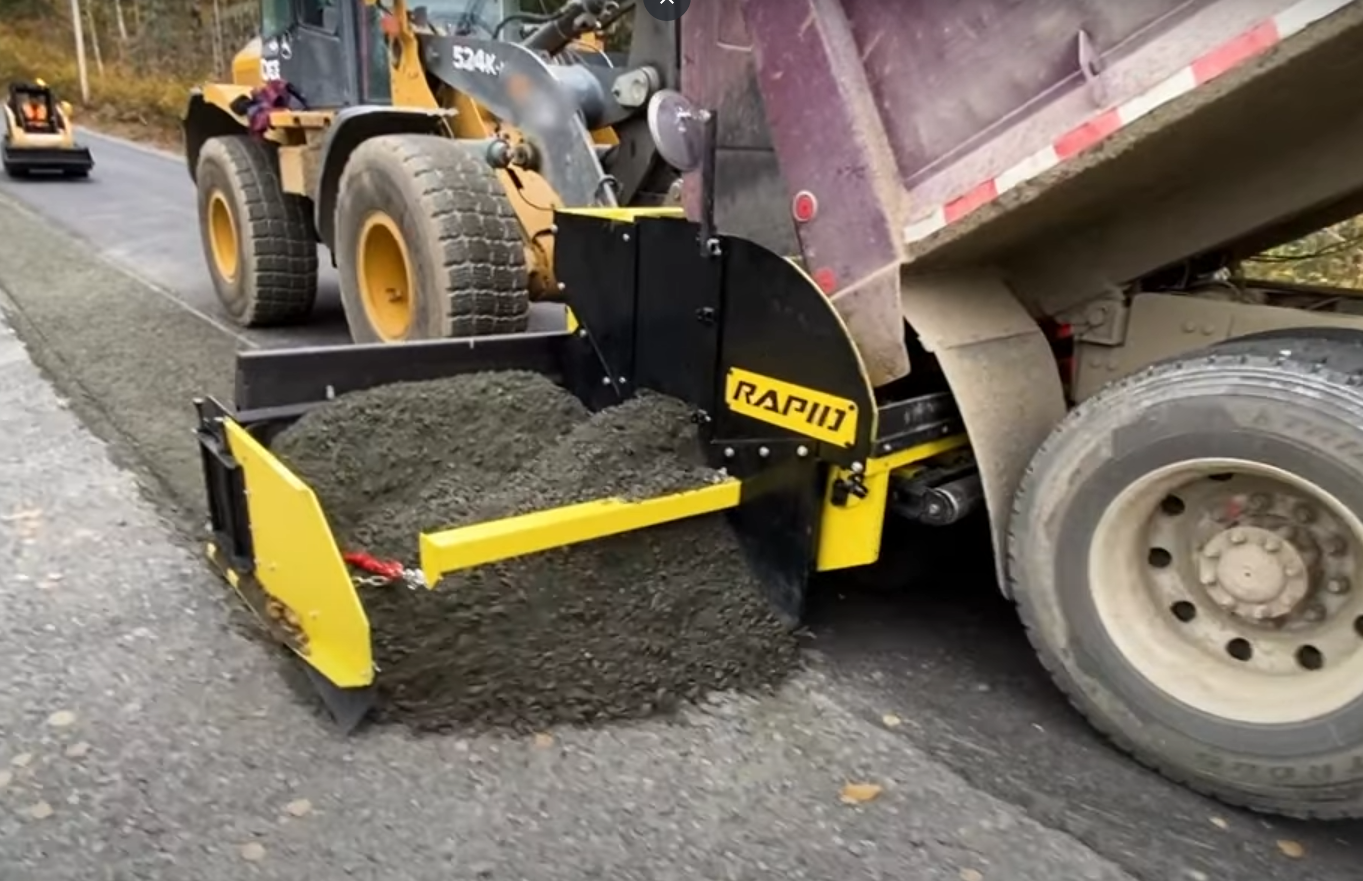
[980, 195]
[1076, 140]
[1232, 52]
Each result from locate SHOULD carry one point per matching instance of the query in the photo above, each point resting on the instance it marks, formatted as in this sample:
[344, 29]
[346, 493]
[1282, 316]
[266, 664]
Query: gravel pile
[622, 627]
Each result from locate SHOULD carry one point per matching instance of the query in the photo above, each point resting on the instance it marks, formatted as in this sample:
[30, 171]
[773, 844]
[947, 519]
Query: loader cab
[317, 47]
[334, 52]
[34, 108]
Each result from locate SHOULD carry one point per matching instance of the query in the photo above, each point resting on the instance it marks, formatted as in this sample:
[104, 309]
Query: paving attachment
[571, 526]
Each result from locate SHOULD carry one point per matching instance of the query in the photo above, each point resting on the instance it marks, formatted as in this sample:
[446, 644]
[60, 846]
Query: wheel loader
[426, 149]
[1036, 259]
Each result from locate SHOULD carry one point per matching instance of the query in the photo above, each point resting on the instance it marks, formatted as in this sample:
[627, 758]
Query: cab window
[321, 14]
[275, 17]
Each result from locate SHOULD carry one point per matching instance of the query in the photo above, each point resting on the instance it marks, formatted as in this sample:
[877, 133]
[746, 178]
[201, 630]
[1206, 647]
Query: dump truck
[1010, 232]
[288, 155]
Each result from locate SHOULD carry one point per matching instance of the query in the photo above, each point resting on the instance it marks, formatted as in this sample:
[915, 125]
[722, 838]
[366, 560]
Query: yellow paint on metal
[806, 411]
[221, 95]
[573, 323]
[408, 84]
[849, 535]
[222, 236]
[383, 269]
[246, 65]
[482, 543]
[627, 215]
[298, 563]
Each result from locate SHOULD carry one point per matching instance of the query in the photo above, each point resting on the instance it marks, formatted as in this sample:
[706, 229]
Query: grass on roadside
[122, 102]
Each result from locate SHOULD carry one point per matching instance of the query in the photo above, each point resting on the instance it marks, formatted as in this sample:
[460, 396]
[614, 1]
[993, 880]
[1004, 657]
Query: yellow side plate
[849, 535]
[299, 565]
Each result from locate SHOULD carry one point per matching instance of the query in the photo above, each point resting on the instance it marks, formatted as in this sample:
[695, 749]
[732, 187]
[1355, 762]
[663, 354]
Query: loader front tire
[427, 243]
[257, 239]
[1186, 552]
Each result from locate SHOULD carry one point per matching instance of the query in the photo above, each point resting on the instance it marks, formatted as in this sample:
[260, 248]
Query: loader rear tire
[257, 239]
[427, 243]
[1185, 552]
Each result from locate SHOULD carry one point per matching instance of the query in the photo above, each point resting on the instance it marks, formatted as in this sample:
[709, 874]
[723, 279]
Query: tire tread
[1335, 357]
[276, 227]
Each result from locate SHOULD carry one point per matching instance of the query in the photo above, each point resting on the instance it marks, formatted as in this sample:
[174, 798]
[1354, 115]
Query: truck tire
[1185, 552]
[258, 240]
[427, 243]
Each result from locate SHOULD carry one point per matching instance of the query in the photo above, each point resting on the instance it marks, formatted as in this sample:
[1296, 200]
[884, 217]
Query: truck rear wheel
[257, 239]
[427, 244]
[1186, 552]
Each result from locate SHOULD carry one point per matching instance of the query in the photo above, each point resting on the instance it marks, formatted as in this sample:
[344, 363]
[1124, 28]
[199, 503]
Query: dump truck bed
[948, 116]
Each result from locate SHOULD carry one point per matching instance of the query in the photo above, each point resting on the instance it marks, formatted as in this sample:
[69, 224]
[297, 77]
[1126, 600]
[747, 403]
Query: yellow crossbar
[480, 543]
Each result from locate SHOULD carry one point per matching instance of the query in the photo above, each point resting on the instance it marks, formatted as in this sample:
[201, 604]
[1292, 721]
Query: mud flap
[1002, 373]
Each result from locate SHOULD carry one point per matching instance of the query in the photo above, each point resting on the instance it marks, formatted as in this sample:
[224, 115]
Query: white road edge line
[86, 131]
[131, 273]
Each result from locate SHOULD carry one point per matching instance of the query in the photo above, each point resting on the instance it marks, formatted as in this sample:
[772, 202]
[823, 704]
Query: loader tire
[257, 239]
[427, 243]
[1183, 553]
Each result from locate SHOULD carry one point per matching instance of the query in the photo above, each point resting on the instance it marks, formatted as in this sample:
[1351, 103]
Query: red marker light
[804, 206]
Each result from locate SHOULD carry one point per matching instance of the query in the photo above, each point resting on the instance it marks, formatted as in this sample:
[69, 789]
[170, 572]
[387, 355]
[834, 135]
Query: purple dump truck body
[901, 117]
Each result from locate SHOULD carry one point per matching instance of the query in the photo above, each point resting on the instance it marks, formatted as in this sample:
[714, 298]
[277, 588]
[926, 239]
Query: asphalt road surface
[938, 649]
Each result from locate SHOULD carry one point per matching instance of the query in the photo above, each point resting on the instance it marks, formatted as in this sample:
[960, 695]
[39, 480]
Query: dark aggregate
[368, 448]
[622, 627]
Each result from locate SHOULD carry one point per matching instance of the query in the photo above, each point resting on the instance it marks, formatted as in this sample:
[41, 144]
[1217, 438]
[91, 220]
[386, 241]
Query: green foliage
[1333, 256]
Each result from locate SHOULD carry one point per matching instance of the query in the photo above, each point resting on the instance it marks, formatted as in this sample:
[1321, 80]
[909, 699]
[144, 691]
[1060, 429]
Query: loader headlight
[677, 128]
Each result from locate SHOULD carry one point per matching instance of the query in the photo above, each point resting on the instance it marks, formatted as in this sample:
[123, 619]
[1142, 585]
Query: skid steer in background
[1044, 262]
[39, 134]
[427, 148]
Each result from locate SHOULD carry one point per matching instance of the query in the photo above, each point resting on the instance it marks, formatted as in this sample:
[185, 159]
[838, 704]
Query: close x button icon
[666, 10]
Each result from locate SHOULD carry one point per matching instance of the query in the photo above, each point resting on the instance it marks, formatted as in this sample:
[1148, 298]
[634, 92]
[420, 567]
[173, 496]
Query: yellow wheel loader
[39, 135]
[426, 148]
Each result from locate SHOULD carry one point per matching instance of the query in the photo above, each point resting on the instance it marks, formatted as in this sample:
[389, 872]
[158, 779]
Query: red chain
[386, 568]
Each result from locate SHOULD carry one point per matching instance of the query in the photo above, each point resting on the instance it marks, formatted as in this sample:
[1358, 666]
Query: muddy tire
[258, 240]
[427, 244]
[1185, 552]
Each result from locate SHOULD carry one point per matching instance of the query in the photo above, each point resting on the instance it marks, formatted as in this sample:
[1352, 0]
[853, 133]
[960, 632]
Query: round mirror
[678, 128]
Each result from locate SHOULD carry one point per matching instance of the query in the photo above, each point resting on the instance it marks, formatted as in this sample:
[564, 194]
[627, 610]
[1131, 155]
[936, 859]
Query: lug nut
[1273, 545]
[1314, 612]
[1260, 502]
[1337, 585]
[1208, 579]
[1237, 537]
[1337, 546]
[1292, 570]
[1304, 514]
[1210, 552]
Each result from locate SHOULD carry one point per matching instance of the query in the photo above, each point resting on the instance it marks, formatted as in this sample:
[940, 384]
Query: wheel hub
[1231, 586]
[1253, 573]
[385, 278]
[222, 236]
